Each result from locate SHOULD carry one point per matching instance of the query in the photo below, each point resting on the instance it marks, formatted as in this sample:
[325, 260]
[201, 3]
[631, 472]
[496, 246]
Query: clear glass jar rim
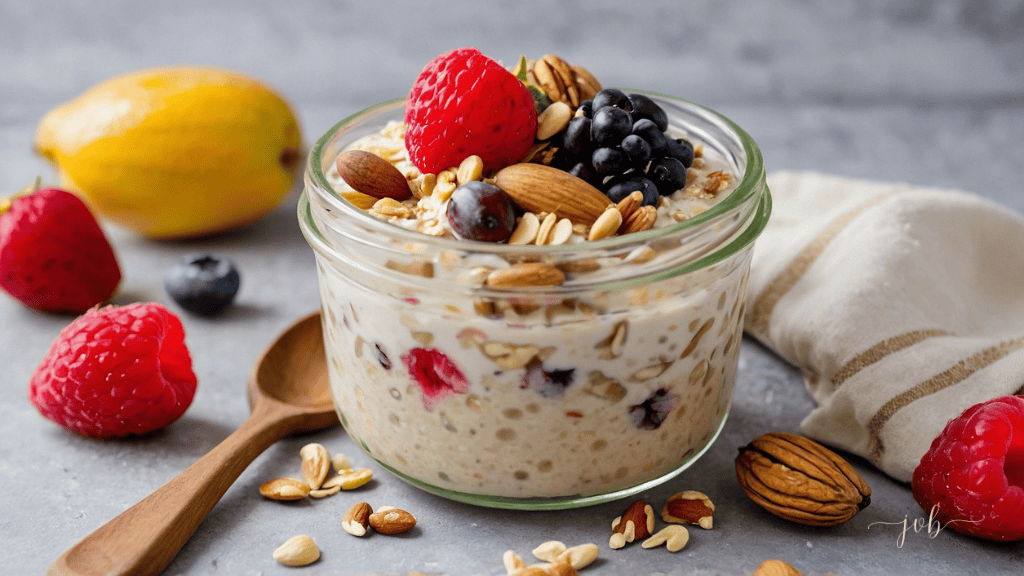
[751, 183]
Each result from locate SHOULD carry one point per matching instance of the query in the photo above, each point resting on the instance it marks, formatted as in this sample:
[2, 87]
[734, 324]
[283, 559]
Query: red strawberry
[972, 478]
[435, 373]
[116, 371]
[53, 255]
[464, 103]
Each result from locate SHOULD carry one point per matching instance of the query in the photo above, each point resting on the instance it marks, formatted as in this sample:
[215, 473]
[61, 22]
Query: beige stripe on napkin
[902, 306]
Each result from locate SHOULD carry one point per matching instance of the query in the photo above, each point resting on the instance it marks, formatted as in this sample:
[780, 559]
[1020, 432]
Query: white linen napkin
[902, 306]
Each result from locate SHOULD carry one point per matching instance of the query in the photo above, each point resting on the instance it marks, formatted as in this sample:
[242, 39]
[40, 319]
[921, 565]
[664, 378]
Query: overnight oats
[532, 287]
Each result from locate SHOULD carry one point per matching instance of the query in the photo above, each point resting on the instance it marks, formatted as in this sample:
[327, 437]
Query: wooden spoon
[289, 393]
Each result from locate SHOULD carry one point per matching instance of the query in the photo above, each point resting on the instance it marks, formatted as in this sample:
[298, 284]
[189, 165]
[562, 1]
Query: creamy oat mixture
[452, 384]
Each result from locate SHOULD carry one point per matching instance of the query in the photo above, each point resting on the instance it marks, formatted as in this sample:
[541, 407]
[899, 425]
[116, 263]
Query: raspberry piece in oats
[436, 375]
[465, 103]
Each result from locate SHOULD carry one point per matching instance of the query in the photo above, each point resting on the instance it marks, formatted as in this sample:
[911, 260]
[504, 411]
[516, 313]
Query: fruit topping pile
[617, 142]
[469, 121]
[116, 371]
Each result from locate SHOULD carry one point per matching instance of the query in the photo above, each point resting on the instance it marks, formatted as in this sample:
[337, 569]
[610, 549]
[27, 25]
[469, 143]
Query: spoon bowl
[288, 393]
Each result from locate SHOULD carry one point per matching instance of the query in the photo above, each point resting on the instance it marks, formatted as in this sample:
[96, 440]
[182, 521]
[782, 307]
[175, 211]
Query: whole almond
[391, 521]
[539, 188]
[372, 175]
[357, 519]
[526, 274]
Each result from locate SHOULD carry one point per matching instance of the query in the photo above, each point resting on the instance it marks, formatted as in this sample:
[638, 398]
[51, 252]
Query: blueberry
[648, 130]
[668, 173]
[576, 138]
[624, 186]
[610, 126]
[637, 149]
[609, 160]
[644, 107]
[681, 150]
[481, 211]
[583, 171]
[610, 97]
[203, 284]
[587, 107]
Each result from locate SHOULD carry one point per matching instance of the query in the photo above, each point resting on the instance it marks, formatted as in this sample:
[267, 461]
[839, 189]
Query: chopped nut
[546, 228]
[471, 169]
[316, 463]
[341, 463]
[512, 561]
[636, 522]
[630, 203]
[553, 120]
[641, 219]
[526, 230]
[357, 519]
[580, 556]
[689, 507]
[674, 538]
[285, 489]
[349, 479]
[324, 492]
[297, 551]
[549, 550]
[561, 233]
[606, 225]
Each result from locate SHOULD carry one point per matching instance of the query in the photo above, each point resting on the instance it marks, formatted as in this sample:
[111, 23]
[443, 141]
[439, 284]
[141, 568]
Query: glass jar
[537, 397]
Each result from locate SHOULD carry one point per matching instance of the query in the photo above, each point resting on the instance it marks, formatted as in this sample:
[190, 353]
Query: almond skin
[539, 188]
[372, 175]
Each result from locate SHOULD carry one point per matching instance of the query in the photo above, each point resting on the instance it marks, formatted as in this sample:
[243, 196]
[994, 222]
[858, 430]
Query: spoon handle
[145, 538]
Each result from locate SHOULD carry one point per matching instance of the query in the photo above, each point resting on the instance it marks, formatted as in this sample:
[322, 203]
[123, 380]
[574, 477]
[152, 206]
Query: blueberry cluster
[619, 145]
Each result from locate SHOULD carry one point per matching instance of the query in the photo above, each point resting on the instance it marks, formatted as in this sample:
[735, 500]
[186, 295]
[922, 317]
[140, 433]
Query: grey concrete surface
[923, 91]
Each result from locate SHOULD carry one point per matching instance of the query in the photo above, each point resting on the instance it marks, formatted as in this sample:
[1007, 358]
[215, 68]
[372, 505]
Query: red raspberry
[116, 371]
[464, 103]
[972, 478]
[435, 373]
[53, 255]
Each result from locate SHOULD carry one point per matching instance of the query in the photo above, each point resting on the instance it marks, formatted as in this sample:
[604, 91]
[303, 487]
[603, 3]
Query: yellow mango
[175, 152]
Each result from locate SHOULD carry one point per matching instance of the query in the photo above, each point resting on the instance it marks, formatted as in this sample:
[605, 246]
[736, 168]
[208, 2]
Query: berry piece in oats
[549, 383]
[649, 414]
[481, 211]
[465, 103]
[972, 477]
[435, 374]
[116, 371]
